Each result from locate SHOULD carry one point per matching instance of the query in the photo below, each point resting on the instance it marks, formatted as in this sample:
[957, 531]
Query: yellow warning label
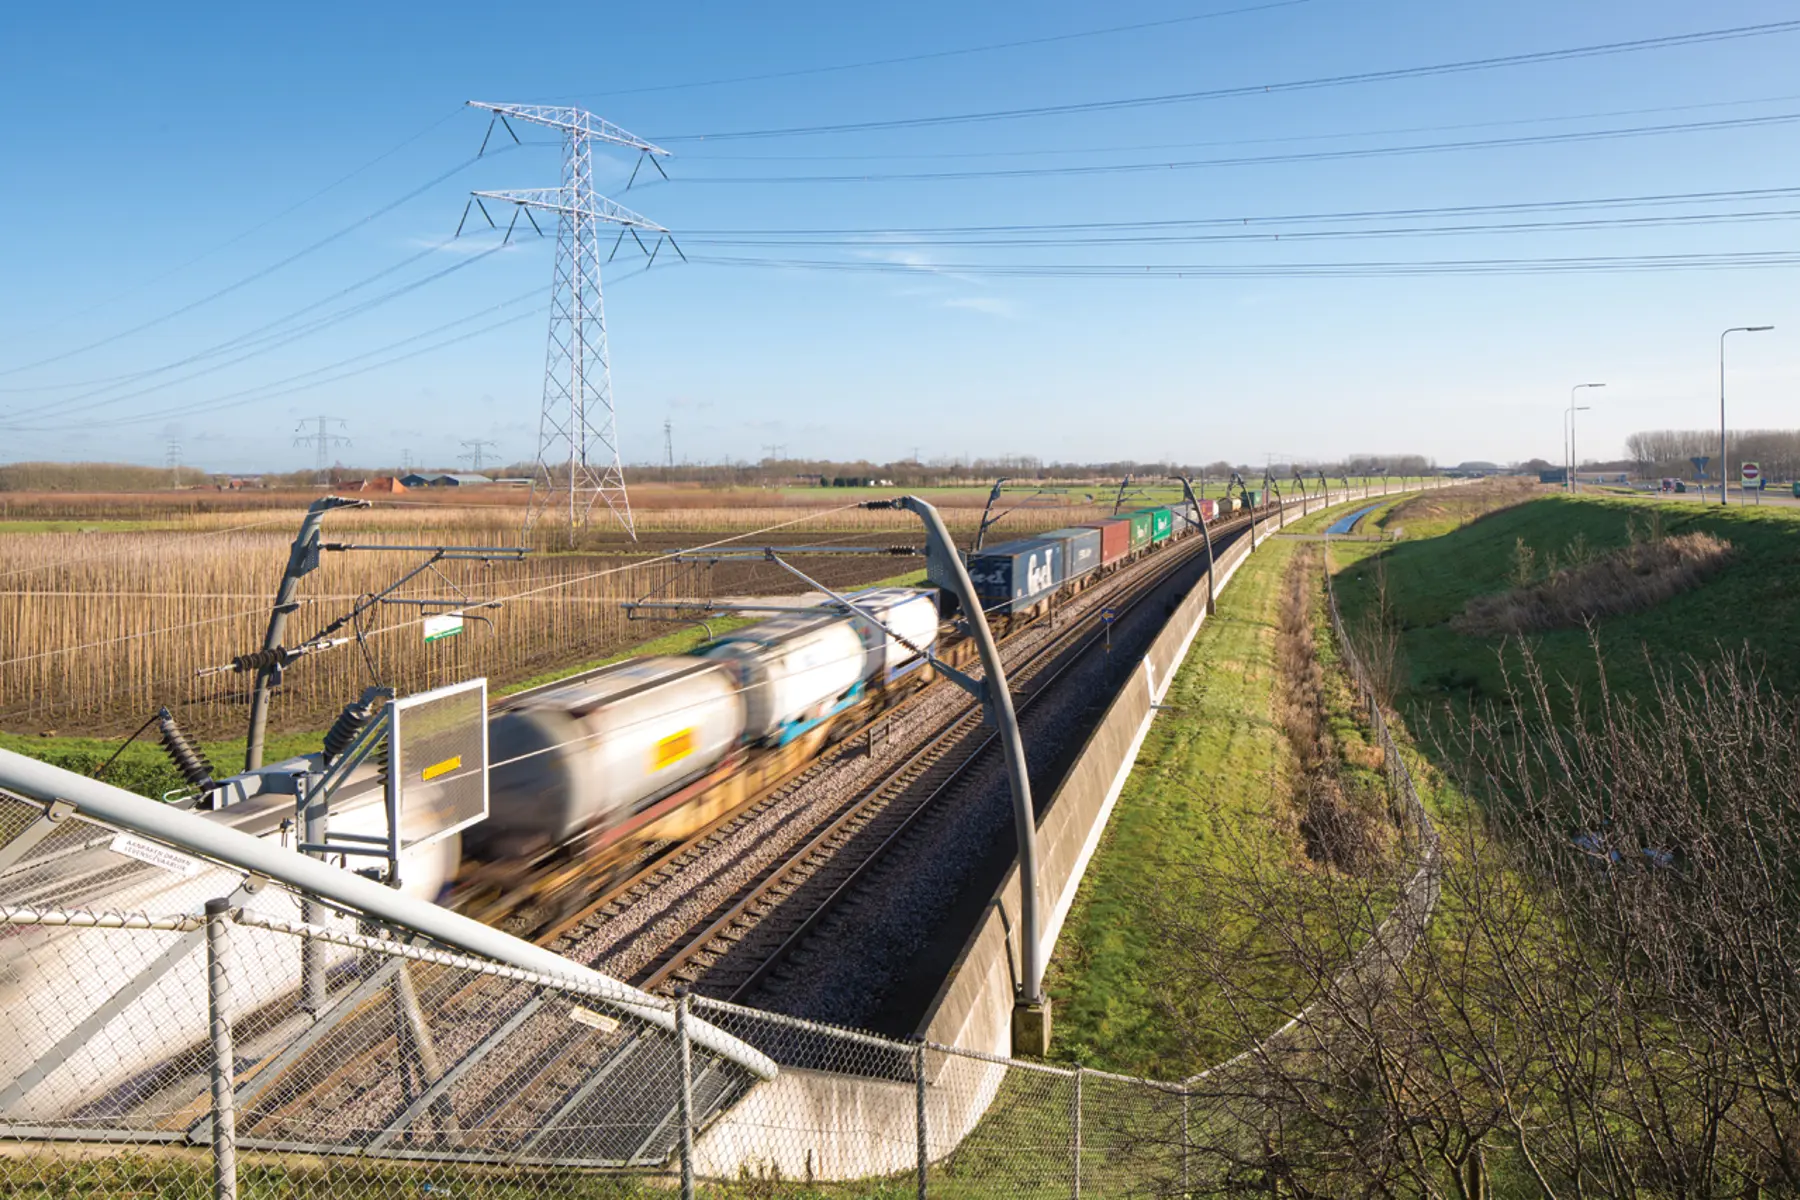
[672, 749]
[442, 768]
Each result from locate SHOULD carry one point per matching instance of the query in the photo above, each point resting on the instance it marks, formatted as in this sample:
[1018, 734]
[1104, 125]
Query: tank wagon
[582, 776]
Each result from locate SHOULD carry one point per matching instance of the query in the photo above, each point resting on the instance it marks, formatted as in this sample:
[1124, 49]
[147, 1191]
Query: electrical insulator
[259, 660]
[188, 759]
[349, 723]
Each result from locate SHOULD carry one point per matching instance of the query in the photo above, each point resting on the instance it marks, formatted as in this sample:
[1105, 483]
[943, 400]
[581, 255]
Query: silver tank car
[583, 756]
[910, 614]
[795, 672]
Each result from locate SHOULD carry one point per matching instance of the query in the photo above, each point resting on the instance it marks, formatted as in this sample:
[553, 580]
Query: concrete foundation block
[1031, 1029]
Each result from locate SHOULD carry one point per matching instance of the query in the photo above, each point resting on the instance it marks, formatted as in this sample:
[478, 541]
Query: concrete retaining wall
[974, 1006]
[860, 1128]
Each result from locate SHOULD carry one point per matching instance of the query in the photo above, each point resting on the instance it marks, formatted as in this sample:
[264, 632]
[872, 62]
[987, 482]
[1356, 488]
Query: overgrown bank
[1221, 776]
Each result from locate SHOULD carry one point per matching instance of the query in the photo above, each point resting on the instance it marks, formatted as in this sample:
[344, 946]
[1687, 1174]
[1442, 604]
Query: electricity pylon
[577, 426]
[475, 446]
[322, 438]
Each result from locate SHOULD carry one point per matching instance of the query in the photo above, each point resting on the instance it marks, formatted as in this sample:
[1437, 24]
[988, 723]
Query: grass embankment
[1212, 782]
[1444, 564]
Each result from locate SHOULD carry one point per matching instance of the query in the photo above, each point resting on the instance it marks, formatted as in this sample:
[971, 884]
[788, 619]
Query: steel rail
[874, 802]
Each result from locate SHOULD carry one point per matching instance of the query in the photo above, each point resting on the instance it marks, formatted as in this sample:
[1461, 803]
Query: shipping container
[1209, 511]
[1015, 575]
[1141, 528]
[1115, 538]
[1081, 550]
[1182, 516]
[1162, 524]
[1252, 498]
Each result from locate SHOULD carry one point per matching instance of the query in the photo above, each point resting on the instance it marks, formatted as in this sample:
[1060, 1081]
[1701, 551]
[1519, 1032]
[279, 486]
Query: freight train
[582, 776]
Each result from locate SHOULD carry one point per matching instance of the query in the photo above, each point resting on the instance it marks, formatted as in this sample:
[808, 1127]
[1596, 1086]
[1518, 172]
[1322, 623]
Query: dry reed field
[98, 629]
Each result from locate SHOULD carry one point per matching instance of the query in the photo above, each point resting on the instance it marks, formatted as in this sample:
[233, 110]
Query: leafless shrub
[1634, 577]
[1608, 1003]
[1341, 826]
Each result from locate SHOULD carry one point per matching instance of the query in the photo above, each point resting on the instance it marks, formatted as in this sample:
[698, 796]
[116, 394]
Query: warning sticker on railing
[156, 854]
[592, 1019]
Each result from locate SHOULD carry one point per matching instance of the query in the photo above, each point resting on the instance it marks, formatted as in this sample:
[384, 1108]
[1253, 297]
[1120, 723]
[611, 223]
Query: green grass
[182, 1176]
[1212, 762]
[1437, 569]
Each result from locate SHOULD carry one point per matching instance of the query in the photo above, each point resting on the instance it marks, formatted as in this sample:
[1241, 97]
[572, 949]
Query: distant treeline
[87, 477]
[1657, 453]
[120, 477]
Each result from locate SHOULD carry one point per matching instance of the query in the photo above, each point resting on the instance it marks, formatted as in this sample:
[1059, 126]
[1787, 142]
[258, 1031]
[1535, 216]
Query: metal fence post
[218, 1008]
[1075, 1141]
[685, 1102]
[924, 1144]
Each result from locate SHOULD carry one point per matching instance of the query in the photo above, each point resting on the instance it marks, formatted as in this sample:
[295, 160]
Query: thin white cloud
[992, 305]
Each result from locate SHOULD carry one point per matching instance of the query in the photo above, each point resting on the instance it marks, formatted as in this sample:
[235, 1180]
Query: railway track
[759, 925]
[504, 1069]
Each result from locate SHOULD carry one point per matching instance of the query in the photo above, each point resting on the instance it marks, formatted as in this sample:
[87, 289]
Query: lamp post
[1569, 435]
[1724, 478]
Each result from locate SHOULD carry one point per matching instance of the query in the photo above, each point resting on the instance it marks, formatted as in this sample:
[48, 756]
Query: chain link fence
[171, 1027]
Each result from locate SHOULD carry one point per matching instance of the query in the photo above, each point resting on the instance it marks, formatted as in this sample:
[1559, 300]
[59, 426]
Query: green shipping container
[1141, 528]
[1162, 524]
[1252, 499]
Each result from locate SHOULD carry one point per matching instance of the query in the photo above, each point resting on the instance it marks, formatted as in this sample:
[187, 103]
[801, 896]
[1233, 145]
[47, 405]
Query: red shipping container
[1209, 511]
[1115, 538]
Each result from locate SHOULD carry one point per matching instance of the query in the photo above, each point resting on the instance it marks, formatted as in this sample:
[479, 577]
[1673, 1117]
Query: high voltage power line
[69, 403]
[929, 55]
[1652, 199]
[1332, 135]
[1598, 50]
[1297, 156]
[246, 280]
[1394, 269]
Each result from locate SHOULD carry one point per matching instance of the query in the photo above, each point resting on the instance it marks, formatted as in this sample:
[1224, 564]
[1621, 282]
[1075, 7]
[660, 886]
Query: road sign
[1108, 615]
[1700, 461]
[1752, 473]
[442, 625]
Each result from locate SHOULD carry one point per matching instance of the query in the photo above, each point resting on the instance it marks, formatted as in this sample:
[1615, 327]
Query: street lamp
[1724, 481]
[1569, 433]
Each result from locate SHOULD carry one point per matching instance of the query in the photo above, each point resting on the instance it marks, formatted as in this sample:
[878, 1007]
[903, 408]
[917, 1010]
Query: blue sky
[161, 155]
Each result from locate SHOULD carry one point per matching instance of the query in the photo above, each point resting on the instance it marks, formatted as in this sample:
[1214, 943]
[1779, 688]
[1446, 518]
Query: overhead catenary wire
[1497, 62]
[139, 549]
[138, 636]
[185, 679]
